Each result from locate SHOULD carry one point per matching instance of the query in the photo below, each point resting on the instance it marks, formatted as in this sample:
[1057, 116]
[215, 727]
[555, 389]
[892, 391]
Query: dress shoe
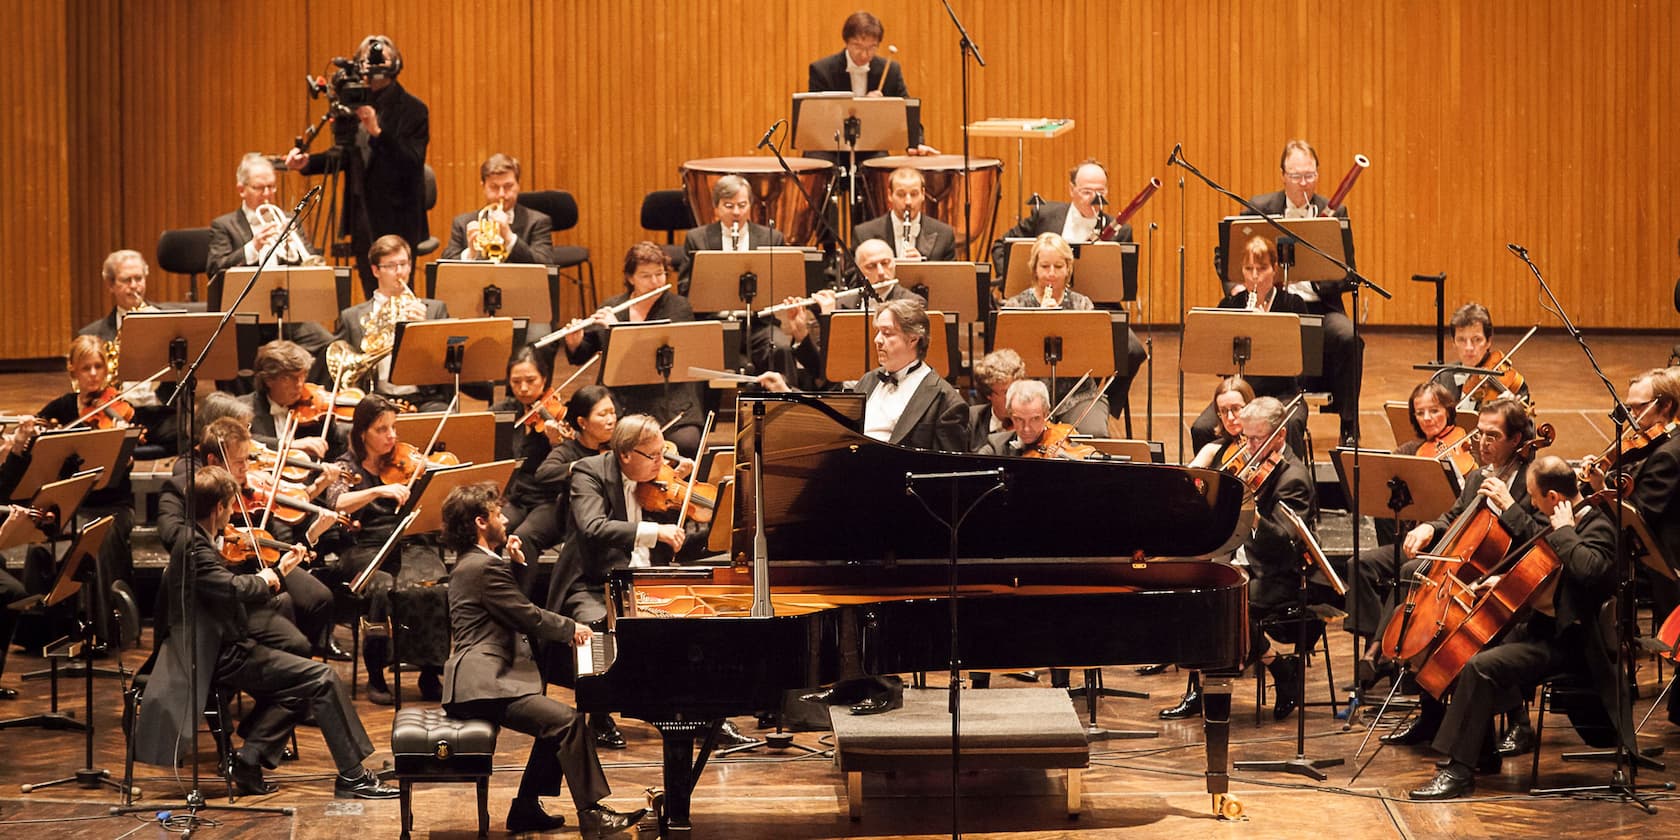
[1286, 672]
[332, 652]
[1518, 740]
[527, 815]
[610, 738]
[1413, 731]
[288, 754]
[431, 687]
[1189, 706]
[8, 694]
[601, 821]
[363, 785]
[730, 735]
[877, 705]
[1150, 670]
[1447, 784]
[379, 695]
[248, 779]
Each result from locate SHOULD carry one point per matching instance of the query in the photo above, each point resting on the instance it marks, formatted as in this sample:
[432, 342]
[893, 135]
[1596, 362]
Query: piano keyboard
[596, 655]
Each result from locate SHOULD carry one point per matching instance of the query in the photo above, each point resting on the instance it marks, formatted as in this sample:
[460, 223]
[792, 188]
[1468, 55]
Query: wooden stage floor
[1150, 788]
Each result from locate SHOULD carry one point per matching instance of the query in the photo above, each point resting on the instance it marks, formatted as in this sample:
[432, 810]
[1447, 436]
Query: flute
[880, 288]
[581, 325]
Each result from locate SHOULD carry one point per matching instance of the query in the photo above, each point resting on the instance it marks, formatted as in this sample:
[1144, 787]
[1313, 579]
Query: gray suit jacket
[936, 241]
[487, 611]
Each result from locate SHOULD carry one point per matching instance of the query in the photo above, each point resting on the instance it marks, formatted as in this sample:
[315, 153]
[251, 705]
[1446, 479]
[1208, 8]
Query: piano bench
[1003, 729]
[429, 746]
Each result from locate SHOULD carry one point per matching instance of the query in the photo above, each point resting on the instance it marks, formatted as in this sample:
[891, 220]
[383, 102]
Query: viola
[666, 491]
[1255, 474]
[317, 400]
[240, 545]
[1450, 447]
[1633, 446]
[1055, 443]
[404, 463]
[293, 508]
[298, 466]
[548, 409]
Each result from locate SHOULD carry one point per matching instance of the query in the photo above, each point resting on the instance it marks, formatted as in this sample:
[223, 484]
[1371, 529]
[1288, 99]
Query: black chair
[430, 243]
[185, 251]
[667, 211]
[1577, 697]
[561, 208]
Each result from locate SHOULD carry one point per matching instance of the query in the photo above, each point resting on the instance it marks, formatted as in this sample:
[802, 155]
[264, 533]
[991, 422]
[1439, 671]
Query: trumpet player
[369, 325]
[914, 235]
[503, 231]
[243, 236]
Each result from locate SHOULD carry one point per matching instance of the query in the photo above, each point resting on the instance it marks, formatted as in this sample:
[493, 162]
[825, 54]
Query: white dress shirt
[1078, 229]
[887, 402]
[647, 533]
[860, 76]
[1292, 211]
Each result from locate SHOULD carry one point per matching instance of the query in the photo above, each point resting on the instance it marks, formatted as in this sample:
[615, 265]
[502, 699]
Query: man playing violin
[125, 274]
[286, 687]
[1028, 402]
[281, 375]
[1472, 329]
[1559, 637]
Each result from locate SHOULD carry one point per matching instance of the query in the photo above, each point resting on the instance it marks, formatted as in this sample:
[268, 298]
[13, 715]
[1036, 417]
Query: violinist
[281, 375]
[646, 268]
[1472, 329]
[531, 500]
[369, 495]
[591, 417]
[993, 375]
[1260, 292]
[1559, 637]
[125, 275]
[1028, 403]
[298, 619]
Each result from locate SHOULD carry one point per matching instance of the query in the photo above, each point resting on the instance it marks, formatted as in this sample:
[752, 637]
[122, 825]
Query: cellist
[1562, 642]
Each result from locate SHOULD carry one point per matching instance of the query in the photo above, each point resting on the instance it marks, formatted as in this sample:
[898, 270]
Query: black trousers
[1344, 364]
[564, 746]
[10, 590]
[539, 529]
[1497, 680]
[285, 685]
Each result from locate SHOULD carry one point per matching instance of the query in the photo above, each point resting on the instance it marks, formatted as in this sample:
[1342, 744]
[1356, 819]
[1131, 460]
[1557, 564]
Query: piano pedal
[655, 816]
[1227, 806]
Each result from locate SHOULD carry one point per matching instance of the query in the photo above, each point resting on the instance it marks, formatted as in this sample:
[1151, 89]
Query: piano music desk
[1002, 729]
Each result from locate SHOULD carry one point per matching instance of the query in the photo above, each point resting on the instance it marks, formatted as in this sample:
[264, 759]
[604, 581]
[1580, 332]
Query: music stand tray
[1135, 451]
[88, 449]
[1213, 338]
[819, 121]
[1328, 233]
[844, 340]
[311, 293]
[417, 357]
[146, 337]
[434, 486]
[58, 498]
[715, 281]
[470, 436]
[959, 288]
[1428, 481]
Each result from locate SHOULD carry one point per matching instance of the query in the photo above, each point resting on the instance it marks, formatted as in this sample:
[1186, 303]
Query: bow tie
[891, 379]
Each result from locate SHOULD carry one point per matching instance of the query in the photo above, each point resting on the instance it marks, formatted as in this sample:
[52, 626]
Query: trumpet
[1360, 164]
[292, 251]
[485, 234]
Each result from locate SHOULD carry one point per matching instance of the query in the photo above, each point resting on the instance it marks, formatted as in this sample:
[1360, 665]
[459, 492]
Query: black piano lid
[835, 495]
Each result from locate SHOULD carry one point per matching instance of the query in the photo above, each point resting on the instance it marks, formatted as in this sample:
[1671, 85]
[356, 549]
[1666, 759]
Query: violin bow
[1482, 383]
[332, 403]
[694, 475]
[133, 386]
[244, 512]
[1062, 403]
[284, 448]
[557, 389]
[1101, 389]
[436, 431]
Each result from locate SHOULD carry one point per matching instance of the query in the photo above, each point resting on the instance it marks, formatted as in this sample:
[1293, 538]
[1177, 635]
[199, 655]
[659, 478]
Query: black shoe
[1150, 670]
[1447, 784]
[1189, 706]
[601, 821]
[365, 785]
[730, 735]
[1519, 740]
[1413, 731]
[527, 815]
[248, 779]
[822, 698]
[288, 754]
[431, 687]
[8, 694]
[610, 738]
[379, 695]
[333, 653]
[877, 705]
[1286, 672]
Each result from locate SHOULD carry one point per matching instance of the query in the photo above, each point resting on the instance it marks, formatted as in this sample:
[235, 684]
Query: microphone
[1172, 159]
[307, 197]
[765, 140]
[1518, 250]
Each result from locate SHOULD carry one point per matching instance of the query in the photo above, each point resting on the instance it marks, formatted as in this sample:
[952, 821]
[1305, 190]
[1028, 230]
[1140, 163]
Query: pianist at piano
[487, 612]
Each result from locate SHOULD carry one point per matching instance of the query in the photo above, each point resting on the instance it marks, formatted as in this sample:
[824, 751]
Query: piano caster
[1227, 807]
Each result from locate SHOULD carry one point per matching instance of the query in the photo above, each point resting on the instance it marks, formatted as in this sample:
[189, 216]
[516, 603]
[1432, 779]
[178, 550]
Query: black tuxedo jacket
[936, 418]
[229, 234]
[937, 241]
[829, 74]
[487, 612]
[1521, 519]
[388, 192]
[264, 430]
[534, 232]
[1329, 293]
[1656, 495]
[710, 238]
[1048, 217]
[599, 536]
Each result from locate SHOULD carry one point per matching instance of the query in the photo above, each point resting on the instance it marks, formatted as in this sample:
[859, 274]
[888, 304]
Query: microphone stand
[954, 525]
[968, 48]
[1359, 282]
[183, 402]
[1624, 779]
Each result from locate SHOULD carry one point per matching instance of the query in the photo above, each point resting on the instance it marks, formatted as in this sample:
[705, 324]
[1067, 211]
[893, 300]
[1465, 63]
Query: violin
[549, 409]
[1450, 448]
[1634, 446]
[1255, 474]
[1489, 388]
[1055, 443]
[106, 410]
[290, 508]
[240, 545]
[666, 491]
[317, 400]
[404, 463]
[298, 467]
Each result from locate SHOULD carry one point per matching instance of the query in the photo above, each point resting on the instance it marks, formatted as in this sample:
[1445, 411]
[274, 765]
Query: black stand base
[1299, 765]
[193, 805]
[89, 778]
[1619, 789]
[52, 721]
[77, 671]
[783, 741]
[1092, 691]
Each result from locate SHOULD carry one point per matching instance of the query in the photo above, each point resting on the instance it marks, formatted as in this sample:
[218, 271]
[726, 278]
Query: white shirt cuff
[647, 534]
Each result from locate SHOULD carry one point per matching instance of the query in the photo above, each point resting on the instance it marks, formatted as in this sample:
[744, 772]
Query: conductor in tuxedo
[390, 259]
[527, 235]
[734, 229]
[483, 679]
[381, 149]
[1344, 361]
[284, 685]
[913, 234]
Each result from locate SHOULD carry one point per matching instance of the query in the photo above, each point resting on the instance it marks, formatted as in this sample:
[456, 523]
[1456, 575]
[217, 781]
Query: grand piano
[1075, 564]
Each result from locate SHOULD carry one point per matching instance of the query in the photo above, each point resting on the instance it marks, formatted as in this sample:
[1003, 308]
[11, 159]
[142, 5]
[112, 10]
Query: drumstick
[881, 85]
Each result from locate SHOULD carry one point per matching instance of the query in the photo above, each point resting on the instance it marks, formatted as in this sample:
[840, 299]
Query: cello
[1471, 621]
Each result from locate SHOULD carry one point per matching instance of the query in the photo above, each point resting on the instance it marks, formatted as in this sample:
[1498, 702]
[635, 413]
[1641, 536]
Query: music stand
[470, 436]
[435, 484]
[490, 290]
[1106, 272]
[147, 337]
[846, 333]
[1226, 341]
[660, 352]
[58, 500]
[446, 351]
[730, 282]
[284, 295]
[1640, 544]
[1328, 233]
[1050, 340]
[359, 583]
[960, 288]
[841, 122]
[1135, 451]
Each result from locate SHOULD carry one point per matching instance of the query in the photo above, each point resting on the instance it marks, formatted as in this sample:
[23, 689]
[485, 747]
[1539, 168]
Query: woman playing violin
[372, 501]
[281, 374]
[1230, 396]
[646, 268]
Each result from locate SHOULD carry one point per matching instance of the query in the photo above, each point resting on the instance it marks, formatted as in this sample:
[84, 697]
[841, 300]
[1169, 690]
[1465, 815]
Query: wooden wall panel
[1487, 122]
[35, 222]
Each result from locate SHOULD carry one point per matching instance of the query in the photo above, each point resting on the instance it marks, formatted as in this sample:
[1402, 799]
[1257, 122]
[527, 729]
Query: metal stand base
[52, 721]
[1618, 788]
[1299, 765]
[89, 778]
[193, 805]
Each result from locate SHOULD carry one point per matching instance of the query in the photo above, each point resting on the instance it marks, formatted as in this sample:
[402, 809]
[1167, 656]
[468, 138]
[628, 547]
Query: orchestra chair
[667, 211]
[185, 251]
[1324, 615]
[561, 208]
[419, 631]
[1575, 696]
[430, 243]
[216, 720]
[428, 746]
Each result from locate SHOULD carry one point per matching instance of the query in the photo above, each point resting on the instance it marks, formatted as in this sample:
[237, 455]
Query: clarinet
[734, 236]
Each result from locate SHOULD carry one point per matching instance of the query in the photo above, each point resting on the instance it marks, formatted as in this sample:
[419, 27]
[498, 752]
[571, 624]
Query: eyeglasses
[654, 457]
[394, 266]
[1301, 177]
[1230, 412]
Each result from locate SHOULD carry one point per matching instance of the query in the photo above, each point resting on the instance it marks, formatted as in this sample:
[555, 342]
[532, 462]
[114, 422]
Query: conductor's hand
[826, 302]
[516, 550]
[296, 159]
[1563, 516]
[370, 119]
[672, 536]
[1496, 493]
[1418, 539]
[581, 634]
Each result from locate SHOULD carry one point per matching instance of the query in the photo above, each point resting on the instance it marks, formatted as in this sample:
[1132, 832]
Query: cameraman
[381, 136]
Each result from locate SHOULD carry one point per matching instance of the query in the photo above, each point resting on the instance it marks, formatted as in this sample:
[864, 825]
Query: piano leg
[682, 770]
[1216, 733]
